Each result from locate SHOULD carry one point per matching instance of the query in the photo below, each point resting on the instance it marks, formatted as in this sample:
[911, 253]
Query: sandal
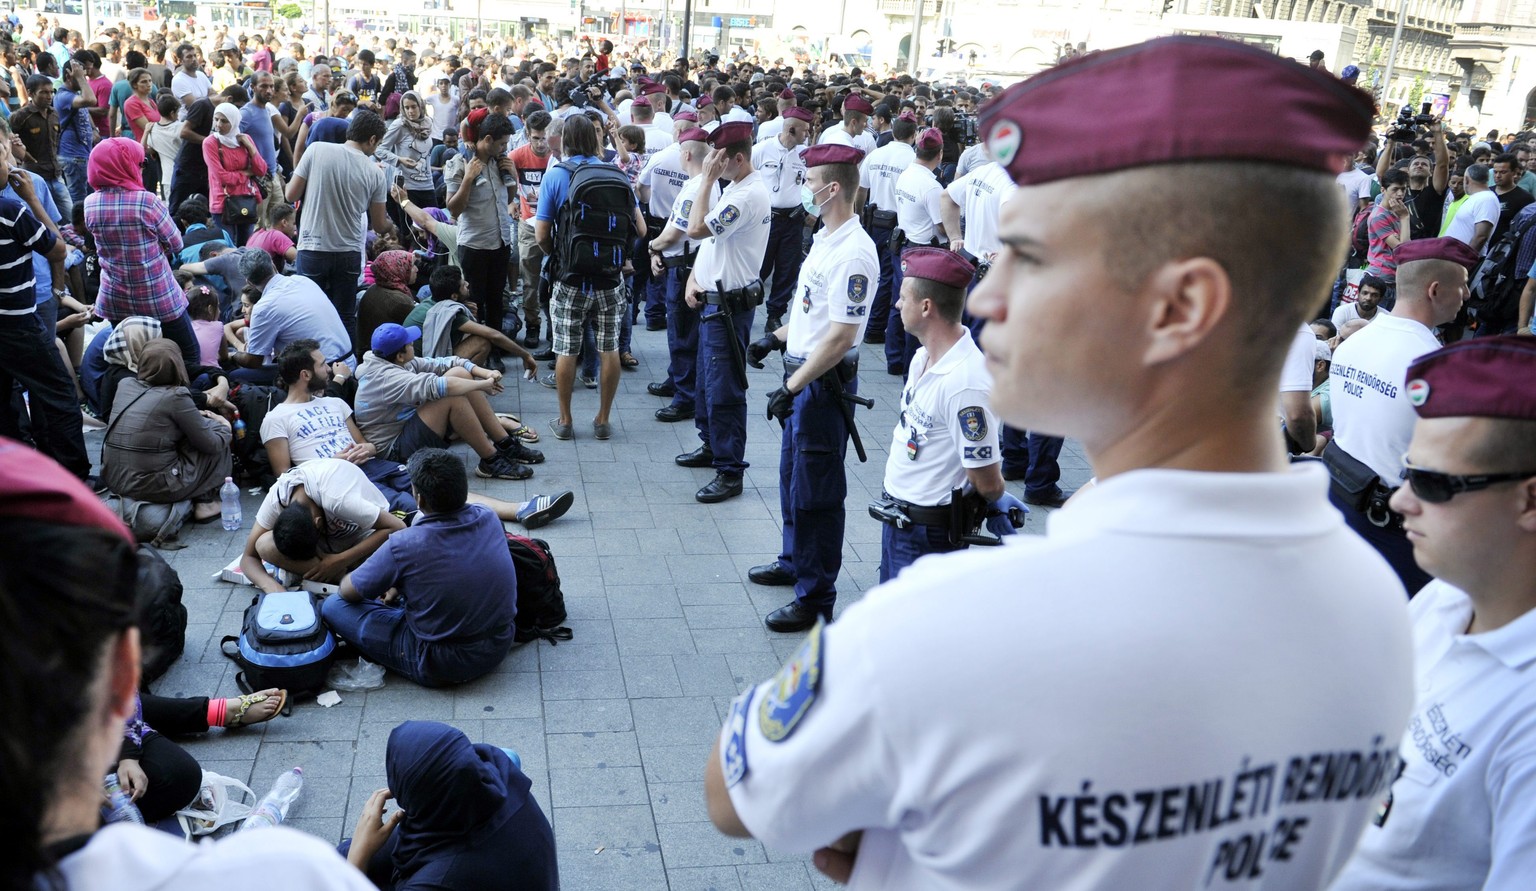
[518, 429]
[236, 717]
[628, 360]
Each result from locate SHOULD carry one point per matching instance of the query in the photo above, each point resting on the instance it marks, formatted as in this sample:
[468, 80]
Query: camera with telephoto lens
[581, 94]
[1406, 127]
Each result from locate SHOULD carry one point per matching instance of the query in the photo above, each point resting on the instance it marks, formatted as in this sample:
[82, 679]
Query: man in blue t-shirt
[436, 601]
[77, 134]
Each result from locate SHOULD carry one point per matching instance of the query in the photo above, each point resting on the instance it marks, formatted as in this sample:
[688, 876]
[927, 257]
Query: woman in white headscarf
[408, 145]
[233, 164]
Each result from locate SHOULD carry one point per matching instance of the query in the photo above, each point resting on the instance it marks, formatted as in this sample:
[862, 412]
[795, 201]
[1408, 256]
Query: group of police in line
[1201, 676]
[730, 216]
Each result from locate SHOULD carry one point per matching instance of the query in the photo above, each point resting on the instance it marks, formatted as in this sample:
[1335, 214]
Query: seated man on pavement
[310, 424]
[318, 520]
[449, 327]
[405, 403]
[285, 308]
[436, 601]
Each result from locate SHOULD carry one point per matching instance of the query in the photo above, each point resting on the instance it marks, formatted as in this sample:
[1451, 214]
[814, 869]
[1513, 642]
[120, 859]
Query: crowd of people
[305, 268]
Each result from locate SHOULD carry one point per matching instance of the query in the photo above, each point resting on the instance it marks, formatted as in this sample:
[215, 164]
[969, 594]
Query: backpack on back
[162, 616]
[1495, 287]
[282, 643]
[540, 602]
[595, 226]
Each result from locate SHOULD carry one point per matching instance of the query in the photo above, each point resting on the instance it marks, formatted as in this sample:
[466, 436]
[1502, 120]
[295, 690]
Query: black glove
[759, 349]
[781, 403]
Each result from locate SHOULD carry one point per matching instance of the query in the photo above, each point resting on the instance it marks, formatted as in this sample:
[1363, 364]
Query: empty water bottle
[229, 494]
[119, 807]
[273, 806]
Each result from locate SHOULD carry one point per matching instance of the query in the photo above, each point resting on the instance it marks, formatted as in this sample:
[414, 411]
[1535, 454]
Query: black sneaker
[531, 342]
[544, 355]
[513, 448]
[500, 467]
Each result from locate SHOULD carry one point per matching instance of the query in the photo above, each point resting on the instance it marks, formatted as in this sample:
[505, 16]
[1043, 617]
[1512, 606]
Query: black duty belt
[788, 211]
[1359, 488]
[963, 519]
[874, 218]
[683, 260]
[747, 297]
[920, 515]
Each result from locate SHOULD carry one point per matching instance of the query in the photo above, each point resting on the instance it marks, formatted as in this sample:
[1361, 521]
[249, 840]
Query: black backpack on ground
[1495, 287]
[282, 643]
[162, 617]
[595, 226]
[251, 466]
[540, 602]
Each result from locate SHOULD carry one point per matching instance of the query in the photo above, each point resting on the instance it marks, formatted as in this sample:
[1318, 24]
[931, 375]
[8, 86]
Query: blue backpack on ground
[282, 643]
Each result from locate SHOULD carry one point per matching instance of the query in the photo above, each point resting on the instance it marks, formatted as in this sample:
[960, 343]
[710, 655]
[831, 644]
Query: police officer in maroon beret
[1197, 677]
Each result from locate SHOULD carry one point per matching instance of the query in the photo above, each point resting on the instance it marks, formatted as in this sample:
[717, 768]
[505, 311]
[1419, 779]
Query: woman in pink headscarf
[390, 299]
[134, 234]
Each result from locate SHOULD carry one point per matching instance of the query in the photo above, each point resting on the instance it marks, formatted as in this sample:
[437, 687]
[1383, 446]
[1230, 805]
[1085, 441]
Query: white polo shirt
[980, 195]
[837, 134]
[880, 169]
[782, 170]
[837, 282]
[946, 425]
[1296, 373]
[917, 204]
[1148, 695]
[677, 219]
[733, 255]
[1348, 312]
[664, 175]
[1482, 207]
[770, 129]
[1463, 814]
[1372, 415]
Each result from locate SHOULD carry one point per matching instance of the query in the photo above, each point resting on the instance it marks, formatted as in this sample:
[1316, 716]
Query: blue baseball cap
[390, 338]
[1349, 73]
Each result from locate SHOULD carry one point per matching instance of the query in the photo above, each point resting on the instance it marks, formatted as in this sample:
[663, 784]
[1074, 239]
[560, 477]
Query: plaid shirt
[134, 233]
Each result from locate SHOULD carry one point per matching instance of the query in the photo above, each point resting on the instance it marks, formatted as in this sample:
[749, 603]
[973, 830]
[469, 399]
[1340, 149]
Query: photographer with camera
[1427, 180]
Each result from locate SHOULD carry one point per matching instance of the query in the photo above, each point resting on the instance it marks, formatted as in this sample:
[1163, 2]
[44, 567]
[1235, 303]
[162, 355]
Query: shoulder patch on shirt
[978, 453]
[729, 214]
[687, 207]
[973, 423]
[793, 690]
[858, 288]
[733, 757]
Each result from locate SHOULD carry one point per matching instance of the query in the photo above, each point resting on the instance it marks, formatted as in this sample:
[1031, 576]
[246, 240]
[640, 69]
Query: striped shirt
[134, 233]
[20, 235]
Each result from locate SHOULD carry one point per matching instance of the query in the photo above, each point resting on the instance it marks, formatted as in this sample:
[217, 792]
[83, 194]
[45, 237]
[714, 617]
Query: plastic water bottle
[239, 426]
[119, 807]
[229, 493]
[273, 806]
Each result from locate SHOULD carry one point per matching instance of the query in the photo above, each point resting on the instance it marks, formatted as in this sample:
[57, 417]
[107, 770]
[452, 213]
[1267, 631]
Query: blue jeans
[236, 233]
[382, 635]
[72, 171]
[62, 198]
[28, 357]
[337, 275]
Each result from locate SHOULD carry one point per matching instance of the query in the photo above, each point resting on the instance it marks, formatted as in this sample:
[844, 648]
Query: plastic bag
[221, 801]
[356, 676]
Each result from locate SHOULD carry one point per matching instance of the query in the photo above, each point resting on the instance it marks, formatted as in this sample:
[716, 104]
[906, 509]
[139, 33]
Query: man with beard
[1427, 183]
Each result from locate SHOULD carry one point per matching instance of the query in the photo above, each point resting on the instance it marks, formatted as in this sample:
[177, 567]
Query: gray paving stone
[674, 722]
[774, 877]
[584, 685]
[651, 676]
[678, 764]
[707, 675]
[644, 602]
[593, 750]
[503, 695]
[578, 655]
[679, 802]
[654, 637]
[597, 786]
[588, 716]
[700, 844]
[702, 878]
[621, 827]
[612, 870]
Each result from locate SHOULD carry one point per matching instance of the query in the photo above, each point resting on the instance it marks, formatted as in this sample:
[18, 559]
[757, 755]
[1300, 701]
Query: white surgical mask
[808, 199]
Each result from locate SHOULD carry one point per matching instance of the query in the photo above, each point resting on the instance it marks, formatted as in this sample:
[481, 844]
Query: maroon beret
[651, 89]
[799, 114]
[693, 134]
[732, 131]
[937, 264]
[1171, 101]
[861, 105]
[831, 153]
[930, 138]
[1485, 377]
[907, 116]
[1452, 250]
[642, 102]
[787, 94]
[35, 487]
[703, 103]
[644, 81]
[685, 115]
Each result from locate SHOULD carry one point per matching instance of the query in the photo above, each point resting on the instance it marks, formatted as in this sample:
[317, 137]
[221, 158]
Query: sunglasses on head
[1437, 488]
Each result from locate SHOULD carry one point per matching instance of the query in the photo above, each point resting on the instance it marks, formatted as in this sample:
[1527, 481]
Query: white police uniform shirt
[880, 169]
[677, 217]
[837, 282]
[980, 195]
[782, 170]
[1463, 814]
[917, 204]
[657, 137]
[1109, 715]
[839, 134]
[1372, 407]
[739, 220]
[946, 425]
[664, 175]
[770, 129]
[737, 113]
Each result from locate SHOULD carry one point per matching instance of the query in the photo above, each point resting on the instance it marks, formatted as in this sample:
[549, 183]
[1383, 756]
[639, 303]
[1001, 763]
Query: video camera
[1406, 127]
[581, 95]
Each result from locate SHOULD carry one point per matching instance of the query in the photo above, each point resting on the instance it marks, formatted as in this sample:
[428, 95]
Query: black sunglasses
[1438, 488]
